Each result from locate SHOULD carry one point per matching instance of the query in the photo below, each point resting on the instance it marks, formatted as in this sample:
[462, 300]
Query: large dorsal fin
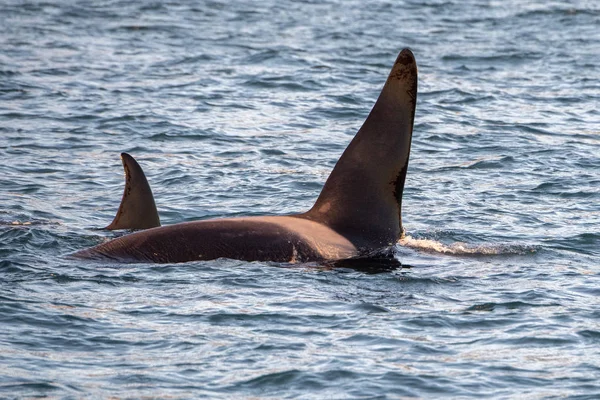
[362, 197]
[137, 209]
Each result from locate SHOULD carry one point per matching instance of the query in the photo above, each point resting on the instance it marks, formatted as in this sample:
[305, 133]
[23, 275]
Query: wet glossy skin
[281, 239]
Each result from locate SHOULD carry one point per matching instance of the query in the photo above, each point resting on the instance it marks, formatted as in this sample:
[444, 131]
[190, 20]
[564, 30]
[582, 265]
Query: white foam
[461, 248]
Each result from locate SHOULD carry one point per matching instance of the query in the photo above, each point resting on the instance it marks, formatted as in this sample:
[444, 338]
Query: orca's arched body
[358, 211]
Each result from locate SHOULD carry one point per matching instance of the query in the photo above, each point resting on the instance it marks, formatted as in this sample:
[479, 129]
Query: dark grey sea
[242, 108]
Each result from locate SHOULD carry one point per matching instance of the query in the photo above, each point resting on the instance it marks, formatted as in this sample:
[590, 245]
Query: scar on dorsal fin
[137, 209]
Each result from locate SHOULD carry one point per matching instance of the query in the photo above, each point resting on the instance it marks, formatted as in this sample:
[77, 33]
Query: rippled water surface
[242, 108]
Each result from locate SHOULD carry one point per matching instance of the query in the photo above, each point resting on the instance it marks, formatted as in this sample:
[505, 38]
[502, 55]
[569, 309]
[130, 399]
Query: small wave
[461, 248]
[27, 223]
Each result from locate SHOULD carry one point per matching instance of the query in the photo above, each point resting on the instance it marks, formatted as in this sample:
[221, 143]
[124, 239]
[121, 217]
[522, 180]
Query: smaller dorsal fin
[137, 209]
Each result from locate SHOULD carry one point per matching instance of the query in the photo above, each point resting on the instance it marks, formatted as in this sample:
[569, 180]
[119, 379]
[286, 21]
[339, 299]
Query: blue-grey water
[242, 108]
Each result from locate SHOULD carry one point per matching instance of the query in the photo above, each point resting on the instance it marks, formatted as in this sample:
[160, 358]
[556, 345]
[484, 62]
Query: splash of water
[461, 248]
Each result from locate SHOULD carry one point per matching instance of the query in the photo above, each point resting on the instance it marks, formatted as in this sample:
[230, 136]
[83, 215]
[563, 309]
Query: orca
[357, 214]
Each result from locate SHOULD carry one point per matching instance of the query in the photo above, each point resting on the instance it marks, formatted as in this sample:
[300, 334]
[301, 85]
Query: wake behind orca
[357, 213]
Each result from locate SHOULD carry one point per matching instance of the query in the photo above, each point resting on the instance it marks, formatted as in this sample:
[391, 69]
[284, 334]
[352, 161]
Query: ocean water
[243, 108]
